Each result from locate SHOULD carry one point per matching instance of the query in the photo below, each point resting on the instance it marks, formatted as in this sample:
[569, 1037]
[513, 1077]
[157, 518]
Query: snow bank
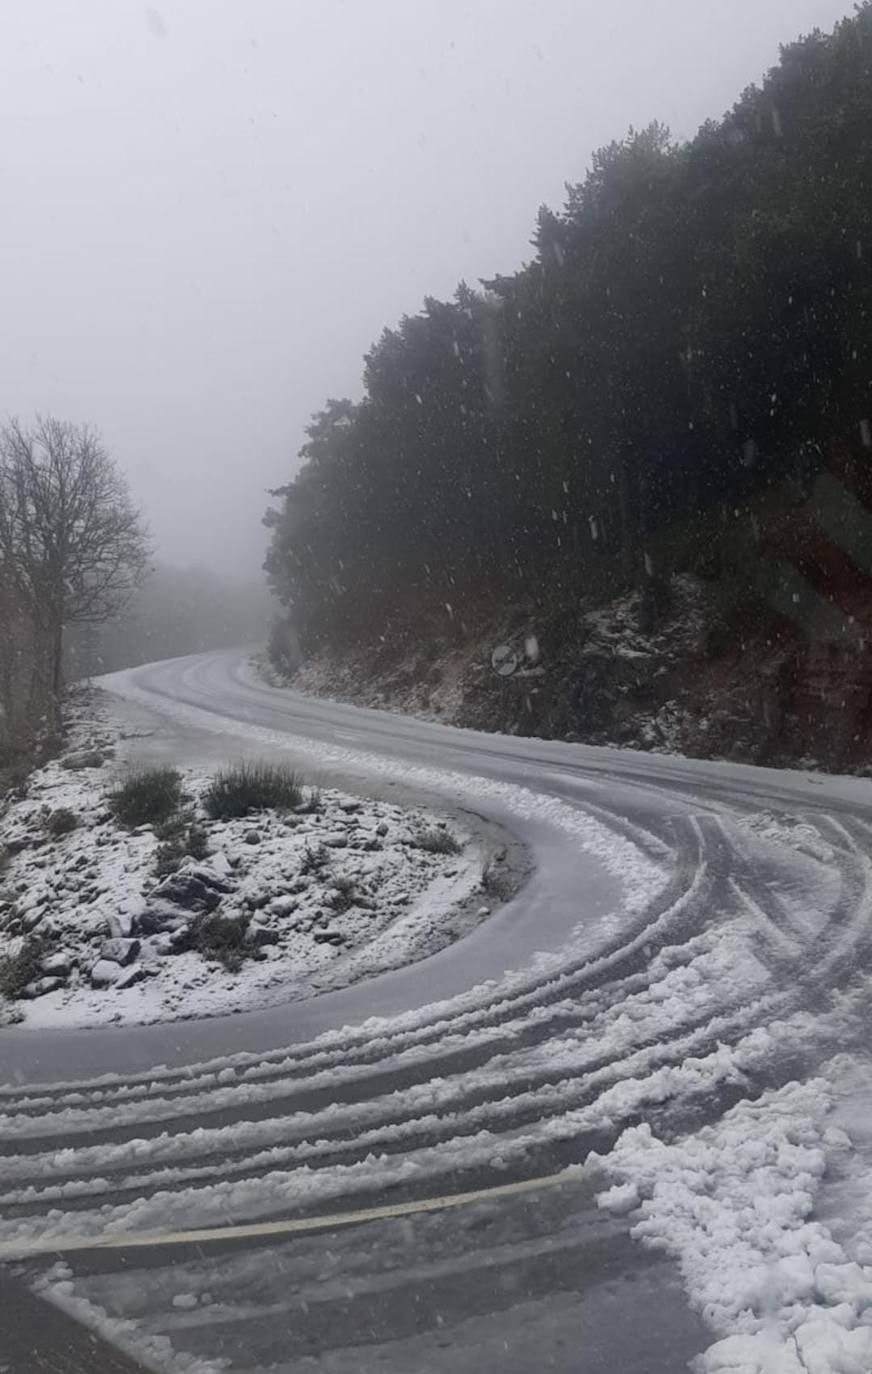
[734, 1204]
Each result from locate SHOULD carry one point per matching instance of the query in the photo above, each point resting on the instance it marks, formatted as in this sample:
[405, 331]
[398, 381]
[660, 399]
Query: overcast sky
[210, 208]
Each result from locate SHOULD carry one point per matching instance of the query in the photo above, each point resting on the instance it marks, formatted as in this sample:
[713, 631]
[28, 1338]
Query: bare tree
[72, 545]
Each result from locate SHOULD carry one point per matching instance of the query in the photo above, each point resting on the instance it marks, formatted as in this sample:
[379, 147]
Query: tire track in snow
[564, 1059]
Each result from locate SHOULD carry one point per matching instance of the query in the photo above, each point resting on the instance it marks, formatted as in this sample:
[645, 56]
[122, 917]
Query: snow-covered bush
[147, 797]
[61, 822]
[21, 968]
[222, 938]
[180, 838]
[252, 787]
[436, 841]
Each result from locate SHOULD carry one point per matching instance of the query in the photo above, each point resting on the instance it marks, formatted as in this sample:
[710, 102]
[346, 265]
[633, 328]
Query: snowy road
[692, 935]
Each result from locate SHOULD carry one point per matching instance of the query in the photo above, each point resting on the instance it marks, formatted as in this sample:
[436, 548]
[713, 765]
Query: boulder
[83, 758]
[105, 973]
[131, 976]
[258, 936]
[180, 940]
[282, 906]
[256, 901]
[208, 875]
[252, 837]
[152, 921]
[58, 965]
[187, 890]
[120, 951]
[40, 986]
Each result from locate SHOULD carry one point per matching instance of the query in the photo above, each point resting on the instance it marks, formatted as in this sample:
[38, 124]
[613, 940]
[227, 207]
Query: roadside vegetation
[222, 938]
[179, 838]
[149, 796]
[250, 787]
[61, 822]
[436, 841]
[72, 550]
[24, 967]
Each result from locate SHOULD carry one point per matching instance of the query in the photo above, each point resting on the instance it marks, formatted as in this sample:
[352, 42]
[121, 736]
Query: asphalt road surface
[507, 1059]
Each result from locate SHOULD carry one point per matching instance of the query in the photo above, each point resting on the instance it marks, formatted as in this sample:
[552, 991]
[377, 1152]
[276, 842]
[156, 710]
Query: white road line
[60, 1244]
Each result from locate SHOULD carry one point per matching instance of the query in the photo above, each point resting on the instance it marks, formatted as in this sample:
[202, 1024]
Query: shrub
[17, 970]
[221, 937]
[147, 797]
[178, 843]
[314, 860]
[497, 882]
[436, 841]
[197, 842]
[61, 822]
[252, 787]
[344, 894]
[167, 858]
[172, 829]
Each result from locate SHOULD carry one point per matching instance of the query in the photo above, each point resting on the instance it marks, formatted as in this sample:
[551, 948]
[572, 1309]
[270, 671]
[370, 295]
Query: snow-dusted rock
[120, 951]
[131, 976]
[282, 906]
[257, 936]
[219, 864]
[208, 874]
[115, 927]
[187, 890]
[58, 965]
[153, 920]
[84, 758]
[252, 837]
[40, 986]
[104, 973]
[180, 939]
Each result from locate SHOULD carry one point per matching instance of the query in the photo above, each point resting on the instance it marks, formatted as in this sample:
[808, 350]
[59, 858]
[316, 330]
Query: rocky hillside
[675, 669]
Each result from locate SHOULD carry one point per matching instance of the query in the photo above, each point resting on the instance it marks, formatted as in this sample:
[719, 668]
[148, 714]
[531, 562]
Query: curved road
[678, 913]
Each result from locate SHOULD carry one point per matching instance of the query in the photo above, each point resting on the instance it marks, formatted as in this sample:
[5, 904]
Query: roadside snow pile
[150, 1351]
[734, 1204]
[101, 923]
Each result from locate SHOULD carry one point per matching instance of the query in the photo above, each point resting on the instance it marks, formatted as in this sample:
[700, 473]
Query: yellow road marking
[61, 1244]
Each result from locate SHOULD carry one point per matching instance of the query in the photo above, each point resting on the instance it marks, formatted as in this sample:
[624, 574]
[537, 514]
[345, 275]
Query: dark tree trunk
[57, 672]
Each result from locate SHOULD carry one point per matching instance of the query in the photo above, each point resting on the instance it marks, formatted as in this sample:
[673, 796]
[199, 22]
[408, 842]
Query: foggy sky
[209, 210]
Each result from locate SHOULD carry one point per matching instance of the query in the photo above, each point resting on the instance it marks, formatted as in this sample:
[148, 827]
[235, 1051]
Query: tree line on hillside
[693, 327]
[72, 549]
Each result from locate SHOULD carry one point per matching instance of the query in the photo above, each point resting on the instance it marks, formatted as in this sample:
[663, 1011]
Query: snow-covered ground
[339, 889]
[738, 1205]
[697, 1051]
